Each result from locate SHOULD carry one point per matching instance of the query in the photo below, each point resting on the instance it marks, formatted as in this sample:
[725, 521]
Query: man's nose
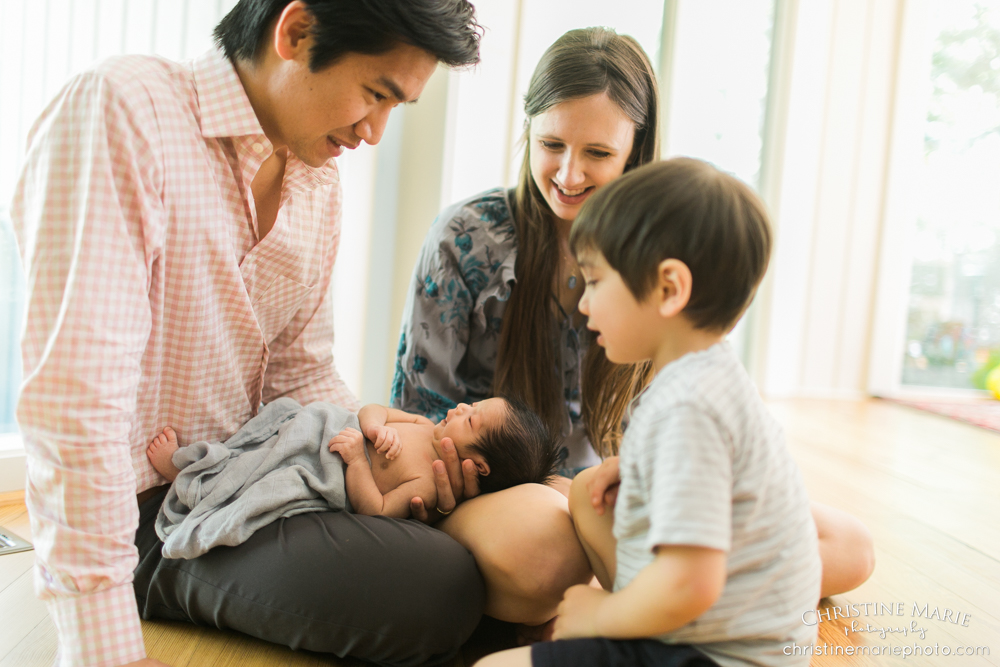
[371, 128]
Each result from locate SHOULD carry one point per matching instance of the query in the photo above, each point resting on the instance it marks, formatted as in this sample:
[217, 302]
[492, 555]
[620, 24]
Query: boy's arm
[680, 585]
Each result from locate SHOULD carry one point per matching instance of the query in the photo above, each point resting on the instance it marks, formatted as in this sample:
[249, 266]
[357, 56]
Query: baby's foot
[161, 452]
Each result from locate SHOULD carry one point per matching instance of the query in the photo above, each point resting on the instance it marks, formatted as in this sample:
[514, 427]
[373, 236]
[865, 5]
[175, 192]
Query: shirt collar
[225, 108]
[226, 112]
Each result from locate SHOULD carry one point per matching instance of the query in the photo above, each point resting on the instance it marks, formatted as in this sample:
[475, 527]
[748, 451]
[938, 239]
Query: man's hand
[350, 444]
[455, 480]
[603, 486]
[577, 613]
[386, 440]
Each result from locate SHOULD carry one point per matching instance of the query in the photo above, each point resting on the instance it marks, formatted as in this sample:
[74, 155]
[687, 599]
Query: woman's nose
[570, 174]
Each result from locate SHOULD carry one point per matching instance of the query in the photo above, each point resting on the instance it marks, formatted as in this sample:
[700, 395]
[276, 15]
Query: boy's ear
[673, 287]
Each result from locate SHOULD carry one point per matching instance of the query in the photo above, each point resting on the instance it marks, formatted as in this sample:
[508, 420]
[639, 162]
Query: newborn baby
[388, 461]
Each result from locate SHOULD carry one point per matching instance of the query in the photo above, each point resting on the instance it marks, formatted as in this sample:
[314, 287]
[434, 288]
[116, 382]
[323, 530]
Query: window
[953, 316]
[11, 318]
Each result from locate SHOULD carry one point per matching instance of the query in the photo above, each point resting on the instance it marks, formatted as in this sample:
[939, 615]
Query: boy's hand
[603, 486]
[577, 613]
[386, 441]
[350, 444]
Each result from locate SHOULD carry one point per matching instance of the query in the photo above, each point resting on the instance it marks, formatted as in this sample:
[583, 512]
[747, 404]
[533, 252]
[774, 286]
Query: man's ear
[292, 30]
[673, 287]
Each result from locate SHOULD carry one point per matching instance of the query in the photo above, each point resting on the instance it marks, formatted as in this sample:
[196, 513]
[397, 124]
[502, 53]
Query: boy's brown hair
[688, 210]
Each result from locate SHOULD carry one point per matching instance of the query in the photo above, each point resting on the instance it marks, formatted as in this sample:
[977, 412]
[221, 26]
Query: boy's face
[319, 114]
[627, 329]
[465, 423]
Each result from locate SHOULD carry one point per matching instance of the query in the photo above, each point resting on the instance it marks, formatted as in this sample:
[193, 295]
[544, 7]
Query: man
[178, 225]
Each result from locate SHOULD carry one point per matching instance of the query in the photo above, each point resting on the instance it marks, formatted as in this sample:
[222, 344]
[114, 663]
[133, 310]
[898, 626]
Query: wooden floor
[928, 488]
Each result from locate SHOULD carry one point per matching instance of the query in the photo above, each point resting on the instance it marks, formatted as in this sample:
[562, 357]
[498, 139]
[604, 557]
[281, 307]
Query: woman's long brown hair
[579, 64]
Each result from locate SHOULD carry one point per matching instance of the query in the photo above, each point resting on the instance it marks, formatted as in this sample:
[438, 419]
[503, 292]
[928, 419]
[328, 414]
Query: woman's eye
[600, 154]
[551, 145]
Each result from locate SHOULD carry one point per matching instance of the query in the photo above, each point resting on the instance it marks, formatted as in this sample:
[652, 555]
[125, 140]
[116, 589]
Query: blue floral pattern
[454, 313]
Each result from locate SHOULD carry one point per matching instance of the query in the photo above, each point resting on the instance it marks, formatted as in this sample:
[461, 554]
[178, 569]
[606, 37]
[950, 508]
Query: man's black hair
[520, 450]
[447, 29]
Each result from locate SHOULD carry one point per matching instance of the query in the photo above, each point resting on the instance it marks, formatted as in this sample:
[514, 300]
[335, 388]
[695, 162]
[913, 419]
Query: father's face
[319, 114]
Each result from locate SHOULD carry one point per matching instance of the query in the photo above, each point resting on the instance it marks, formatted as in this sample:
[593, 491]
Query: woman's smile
[571, 197]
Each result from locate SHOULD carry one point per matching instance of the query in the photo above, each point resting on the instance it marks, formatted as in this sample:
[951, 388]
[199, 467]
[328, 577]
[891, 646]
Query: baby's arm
[681, 584]
[374, 421]
[361, 488]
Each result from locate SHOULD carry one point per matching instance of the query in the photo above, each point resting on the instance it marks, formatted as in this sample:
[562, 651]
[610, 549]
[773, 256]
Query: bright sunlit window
[953, 324]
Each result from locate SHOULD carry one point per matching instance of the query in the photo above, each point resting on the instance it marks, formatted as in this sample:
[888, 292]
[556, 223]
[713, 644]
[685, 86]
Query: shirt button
[258, 148]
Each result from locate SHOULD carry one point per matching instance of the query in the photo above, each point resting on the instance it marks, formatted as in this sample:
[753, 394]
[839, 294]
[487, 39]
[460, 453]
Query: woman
[493, 309]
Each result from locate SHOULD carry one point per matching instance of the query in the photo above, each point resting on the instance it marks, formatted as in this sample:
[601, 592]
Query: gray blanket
[276, 466]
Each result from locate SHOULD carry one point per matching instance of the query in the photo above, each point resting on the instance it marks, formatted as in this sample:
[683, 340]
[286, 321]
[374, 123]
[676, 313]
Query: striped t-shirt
[704, 464]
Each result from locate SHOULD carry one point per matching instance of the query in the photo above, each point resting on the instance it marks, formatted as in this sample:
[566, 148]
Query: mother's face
[576, 147]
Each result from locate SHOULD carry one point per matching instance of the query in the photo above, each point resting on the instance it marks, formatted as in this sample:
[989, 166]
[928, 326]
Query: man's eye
[379, 97]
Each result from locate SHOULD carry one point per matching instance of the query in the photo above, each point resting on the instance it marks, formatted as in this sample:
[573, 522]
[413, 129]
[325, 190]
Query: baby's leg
[161, 452]
[594, 530]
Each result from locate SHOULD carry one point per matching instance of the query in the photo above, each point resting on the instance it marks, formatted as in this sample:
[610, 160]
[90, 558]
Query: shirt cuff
[98, 630]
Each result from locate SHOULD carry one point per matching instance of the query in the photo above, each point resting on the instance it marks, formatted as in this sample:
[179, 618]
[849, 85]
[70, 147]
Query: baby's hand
[386, 441]
[350, 444]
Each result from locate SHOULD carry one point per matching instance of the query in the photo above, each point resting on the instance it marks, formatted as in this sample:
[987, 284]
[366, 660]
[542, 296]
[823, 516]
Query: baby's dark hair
[682, 209]
[519, 450]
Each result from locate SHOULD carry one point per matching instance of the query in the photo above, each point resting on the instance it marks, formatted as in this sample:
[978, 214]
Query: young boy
[711, 556]
[276, 465]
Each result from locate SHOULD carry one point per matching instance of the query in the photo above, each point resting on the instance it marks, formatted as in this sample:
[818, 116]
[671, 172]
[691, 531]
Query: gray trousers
[390, 591]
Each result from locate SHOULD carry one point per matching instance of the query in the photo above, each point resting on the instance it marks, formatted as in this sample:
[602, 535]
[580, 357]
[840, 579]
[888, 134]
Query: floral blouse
[454, 312]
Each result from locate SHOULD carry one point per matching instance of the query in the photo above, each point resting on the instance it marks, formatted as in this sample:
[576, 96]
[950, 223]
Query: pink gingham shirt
[151, 303]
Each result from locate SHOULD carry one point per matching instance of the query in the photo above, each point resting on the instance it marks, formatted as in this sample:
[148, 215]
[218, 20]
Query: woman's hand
[603, 486]
[455, 480]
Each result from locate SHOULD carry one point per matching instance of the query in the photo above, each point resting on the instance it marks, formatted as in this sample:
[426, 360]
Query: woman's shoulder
[485, 219]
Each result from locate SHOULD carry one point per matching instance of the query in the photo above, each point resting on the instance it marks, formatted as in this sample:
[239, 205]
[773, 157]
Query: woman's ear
[673, 287]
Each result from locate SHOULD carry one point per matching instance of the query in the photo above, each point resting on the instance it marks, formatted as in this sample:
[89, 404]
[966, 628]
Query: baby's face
[464, 423]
